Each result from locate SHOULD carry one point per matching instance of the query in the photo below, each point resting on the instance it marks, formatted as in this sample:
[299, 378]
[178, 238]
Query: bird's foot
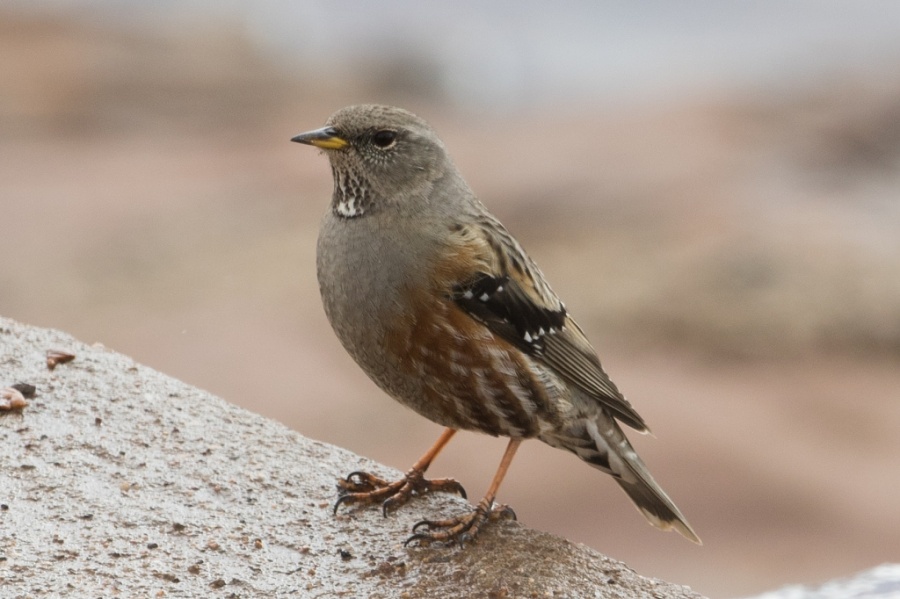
[463, 528]
[362, 488]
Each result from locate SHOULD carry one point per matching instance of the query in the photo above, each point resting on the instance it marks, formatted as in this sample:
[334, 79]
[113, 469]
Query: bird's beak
[326, 138]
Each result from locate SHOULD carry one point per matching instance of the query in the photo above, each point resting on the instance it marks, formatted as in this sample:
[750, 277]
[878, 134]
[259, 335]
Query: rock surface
[116, 480]
[882, 582]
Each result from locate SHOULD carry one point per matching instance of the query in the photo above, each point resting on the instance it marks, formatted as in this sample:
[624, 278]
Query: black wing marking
[501, 304]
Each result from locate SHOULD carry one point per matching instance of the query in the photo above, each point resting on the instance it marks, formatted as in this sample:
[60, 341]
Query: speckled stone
[117, 480]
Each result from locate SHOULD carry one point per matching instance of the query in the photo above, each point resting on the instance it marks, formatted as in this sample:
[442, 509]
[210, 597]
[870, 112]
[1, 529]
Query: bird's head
[378, 154]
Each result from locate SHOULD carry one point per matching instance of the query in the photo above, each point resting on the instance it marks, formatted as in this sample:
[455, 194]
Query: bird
[445, 311]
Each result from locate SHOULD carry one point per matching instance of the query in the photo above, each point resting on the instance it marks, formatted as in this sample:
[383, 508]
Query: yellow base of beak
[325, 138]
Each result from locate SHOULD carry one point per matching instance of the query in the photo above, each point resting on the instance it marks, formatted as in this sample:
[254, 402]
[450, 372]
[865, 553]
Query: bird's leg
[465, 527]
[362, 488]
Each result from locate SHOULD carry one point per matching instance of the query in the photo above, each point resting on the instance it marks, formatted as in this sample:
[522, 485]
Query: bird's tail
[601, 443]
[653, 502]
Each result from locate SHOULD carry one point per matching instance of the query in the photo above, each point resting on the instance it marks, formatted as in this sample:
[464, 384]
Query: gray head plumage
[378, 154]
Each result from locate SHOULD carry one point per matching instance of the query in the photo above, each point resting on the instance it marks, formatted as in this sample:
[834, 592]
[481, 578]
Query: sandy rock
[116, 480]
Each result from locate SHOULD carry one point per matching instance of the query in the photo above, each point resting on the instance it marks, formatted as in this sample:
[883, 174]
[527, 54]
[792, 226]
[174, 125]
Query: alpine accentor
[445, 311]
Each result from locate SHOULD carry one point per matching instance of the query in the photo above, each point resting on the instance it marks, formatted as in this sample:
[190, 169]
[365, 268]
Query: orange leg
[465, 527]
[362, 488]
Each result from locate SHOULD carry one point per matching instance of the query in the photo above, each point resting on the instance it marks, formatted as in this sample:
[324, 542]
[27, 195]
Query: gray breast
[365, 268]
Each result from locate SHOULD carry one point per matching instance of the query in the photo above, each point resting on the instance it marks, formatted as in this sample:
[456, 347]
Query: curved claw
[416, 526]
[360, 482]
[415, 539]
[456, 487]
[503, 512]
[363, 476]
[443, 485]
[392, 503]
[340, 500]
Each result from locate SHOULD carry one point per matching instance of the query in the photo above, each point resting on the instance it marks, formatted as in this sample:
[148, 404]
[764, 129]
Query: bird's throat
[352, 196]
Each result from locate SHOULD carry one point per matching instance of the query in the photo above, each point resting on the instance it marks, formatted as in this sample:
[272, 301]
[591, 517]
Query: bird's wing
[504, 290]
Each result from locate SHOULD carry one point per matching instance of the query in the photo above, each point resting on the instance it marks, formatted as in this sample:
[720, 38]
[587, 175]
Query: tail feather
[656, 506]
[600, 442]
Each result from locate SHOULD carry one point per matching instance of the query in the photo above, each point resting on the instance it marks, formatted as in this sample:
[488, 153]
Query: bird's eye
[384, 138]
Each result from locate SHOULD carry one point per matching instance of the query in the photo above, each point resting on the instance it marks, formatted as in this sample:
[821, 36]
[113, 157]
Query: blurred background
[713, 188]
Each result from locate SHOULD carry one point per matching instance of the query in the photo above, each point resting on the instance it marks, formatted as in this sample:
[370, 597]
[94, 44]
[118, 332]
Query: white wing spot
[484, 297]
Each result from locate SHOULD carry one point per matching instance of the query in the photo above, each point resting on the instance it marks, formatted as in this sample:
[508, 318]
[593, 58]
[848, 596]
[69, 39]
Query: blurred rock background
[714, 189]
